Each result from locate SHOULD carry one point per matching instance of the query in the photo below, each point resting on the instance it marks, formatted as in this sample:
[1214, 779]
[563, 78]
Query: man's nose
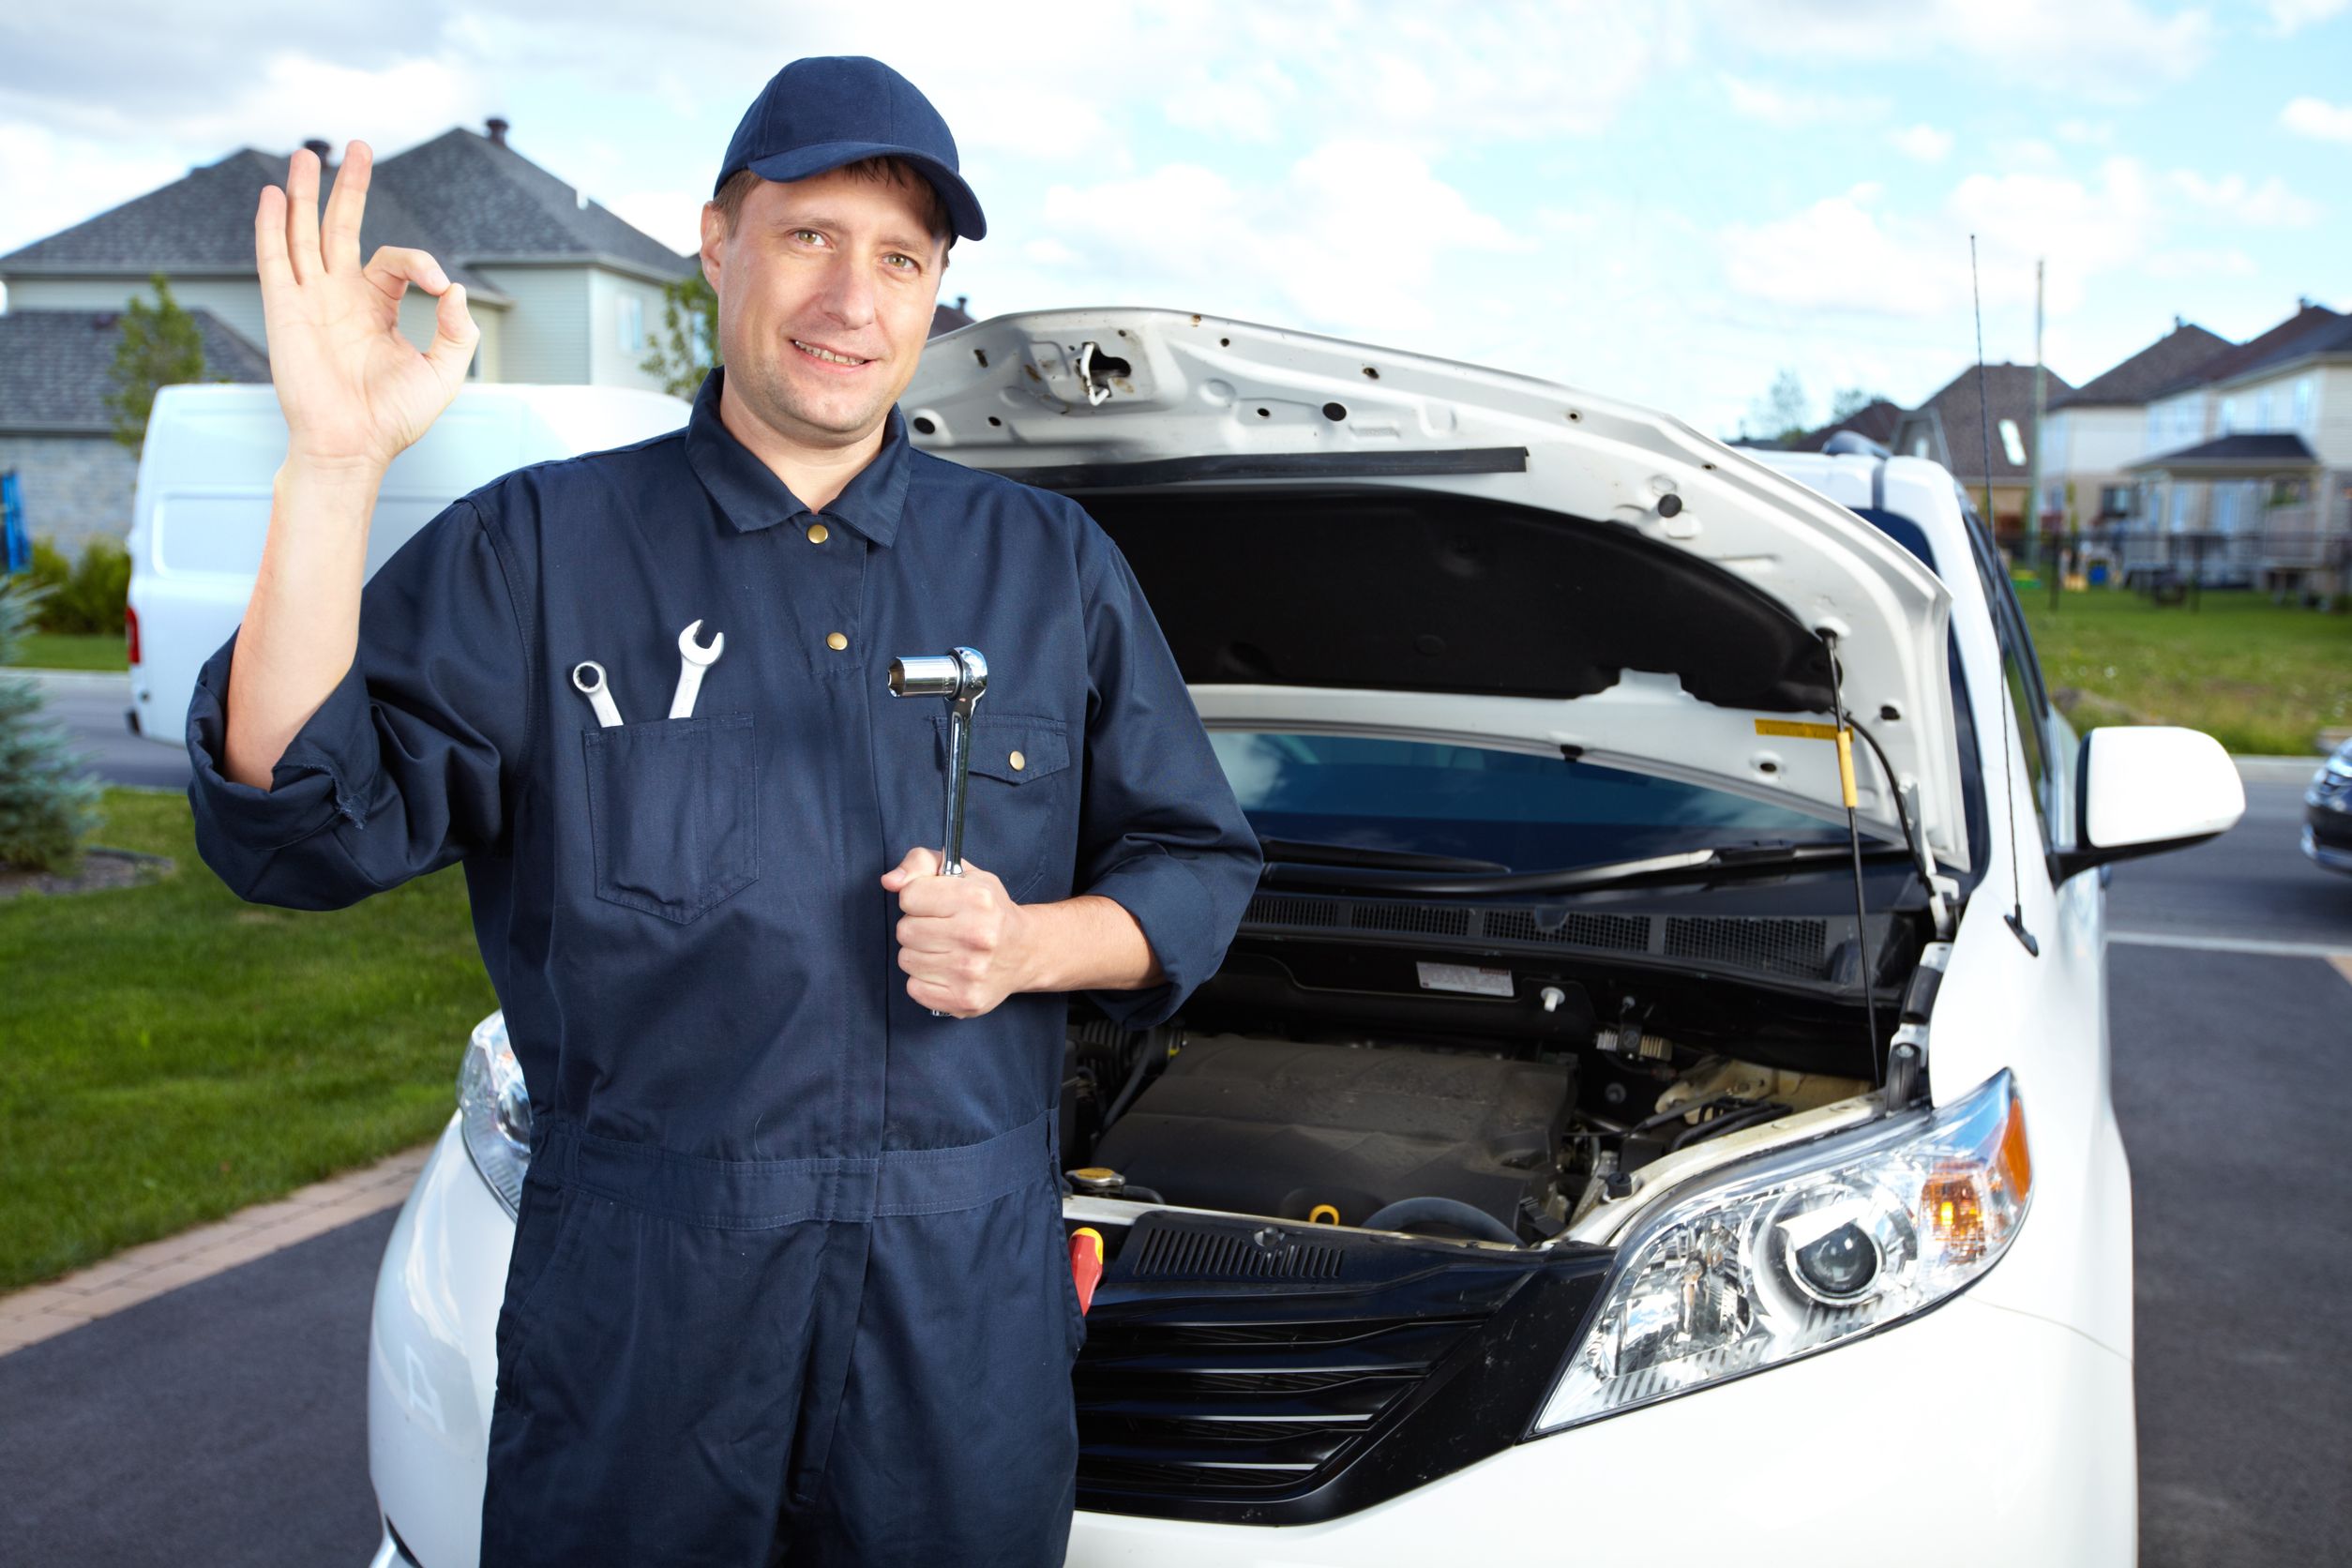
[847, 295]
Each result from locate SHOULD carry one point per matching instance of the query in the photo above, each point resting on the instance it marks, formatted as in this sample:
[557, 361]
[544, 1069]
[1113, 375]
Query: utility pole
[2041, 407]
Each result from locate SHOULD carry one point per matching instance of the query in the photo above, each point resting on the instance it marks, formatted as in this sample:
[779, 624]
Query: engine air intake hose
[1445, 1211]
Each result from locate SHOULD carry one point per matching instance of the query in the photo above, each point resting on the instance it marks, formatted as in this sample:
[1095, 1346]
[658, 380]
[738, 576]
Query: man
[789, 1272]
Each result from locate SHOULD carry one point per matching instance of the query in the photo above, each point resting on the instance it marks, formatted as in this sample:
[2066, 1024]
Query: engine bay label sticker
[1464, 977]
[1794, 729]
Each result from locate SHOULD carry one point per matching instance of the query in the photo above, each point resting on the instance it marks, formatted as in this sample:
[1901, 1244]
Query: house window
[2013, 443]
[2303, 405]
[632, 324]
[2230, 414]
[2262, 409]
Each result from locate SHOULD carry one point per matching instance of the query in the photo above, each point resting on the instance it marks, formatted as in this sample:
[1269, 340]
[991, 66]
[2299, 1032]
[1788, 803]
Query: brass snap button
[1020, 761]
[819, 532]
[835, 642]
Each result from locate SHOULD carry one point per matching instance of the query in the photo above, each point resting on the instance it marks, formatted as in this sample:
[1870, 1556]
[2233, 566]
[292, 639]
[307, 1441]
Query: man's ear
[714, 240]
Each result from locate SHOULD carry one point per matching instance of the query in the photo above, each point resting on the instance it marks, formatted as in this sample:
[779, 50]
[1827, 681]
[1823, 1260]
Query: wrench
[693, 659]
[599, 697]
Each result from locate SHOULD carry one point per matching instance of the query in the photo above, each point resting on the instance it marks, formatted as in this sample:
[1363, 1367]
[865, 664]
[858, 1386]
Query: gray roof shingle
[2186, 349]
[2311, 329]
[459, 196]
[1953, 414]
[55, 366]
[2237, 450]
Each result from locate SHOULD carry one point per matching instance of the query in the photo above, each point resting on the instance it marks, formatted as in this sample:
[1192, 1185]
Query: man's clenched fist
[964, 944]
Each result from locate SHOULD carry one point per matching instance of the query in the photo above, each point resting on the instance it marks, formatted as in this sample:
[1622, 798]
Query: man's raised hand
[355, 392]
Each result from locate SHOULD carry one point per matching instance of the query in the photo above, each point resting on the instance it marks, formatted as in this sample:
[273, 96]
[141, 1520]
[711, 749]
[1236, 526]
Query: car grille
[1230, 1365]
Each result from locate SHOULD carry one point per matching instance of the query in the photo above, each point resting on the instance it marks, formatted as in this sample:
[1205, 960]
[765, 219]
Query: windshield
[1525, 812]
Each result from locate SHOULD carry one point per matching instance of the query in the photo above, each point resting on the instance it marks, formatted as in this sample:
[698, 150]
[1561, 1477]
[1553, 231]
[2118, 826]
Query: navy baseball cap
[820, 112]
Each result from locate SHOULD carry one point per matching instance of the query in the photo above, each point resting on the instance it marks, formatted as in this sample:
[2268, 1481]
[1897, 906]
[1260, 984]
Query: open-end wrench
[693, 659]
[599, 696]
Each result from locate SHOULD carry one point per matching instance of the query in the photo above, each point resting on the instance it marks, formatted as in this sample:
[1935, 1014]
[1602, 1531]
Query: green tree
[159, 347]
[47, 803]
[1779, 414]
[1852, 400]
[688, 346]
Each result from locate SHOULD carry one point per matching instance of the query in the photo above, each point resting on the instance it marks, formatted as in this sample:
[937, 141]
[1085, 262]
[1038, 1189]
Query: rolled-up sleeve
[1159, 830]
[410, 763]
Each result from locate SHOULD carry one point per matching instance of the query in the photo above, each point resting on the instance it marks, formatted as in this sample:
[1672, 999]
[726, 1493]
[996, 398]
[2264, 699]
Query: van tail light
[131, 630]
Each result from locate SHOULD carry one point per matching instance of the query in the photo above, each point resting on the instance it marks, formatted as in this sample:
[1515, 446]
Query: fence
[2289, 562]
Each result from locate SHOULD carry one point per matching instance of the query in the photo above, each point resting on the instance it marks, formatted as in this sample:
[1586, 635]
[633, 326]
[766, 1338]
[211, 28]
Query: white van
[205, 476]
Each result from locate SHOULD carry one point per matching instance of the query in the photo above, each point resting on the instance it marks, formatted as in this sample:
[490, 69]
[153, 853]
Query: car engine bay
[1507, 1141]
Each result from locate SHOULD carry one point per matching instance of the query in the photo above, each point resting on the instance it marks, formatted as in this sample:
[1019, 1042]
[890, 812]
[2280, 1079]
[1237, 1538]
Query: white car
[1632, 1122]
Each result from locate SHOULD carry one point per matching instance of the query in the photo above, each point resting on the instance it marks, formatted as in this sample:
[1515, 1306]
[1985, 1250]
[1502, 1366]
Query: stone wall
[72, 486]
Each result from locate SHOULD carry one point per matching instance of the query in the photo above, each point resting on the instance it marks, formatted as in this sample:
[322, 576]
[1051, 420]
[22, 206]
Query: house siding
[610, 364]
[547, 336]
[74, 487]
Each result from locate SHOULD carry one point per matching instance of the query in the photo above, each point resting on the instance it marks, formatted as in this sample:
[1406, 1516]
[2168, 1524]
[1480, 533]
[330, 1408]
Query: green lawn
[53, 650]
[2257, 677]
[169, 1054]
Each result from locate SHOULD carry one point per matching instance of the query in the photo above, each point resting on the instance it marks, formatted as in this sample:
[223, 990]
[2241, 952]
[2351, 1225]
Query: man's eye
[900, 256]
[809, 234]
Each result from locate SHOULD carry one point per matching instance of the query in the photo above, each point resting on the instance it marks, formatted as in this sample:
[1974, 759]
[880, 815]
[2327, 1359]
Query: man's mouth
[827, 355]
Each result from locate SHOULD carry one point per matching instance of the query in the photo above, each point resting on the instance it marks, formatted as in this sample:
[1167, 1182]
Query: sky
[1667, 201]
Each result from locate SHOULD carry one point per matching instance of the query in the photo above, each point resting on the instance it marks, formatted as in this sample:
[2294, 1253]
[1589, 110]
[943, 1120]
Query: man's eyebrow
[896, 238]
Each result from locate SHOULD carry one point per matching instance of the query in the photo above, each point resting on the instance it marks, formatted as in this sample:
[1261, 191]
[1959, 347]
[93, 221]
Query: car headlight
[1802, 1249]
[494, 1111]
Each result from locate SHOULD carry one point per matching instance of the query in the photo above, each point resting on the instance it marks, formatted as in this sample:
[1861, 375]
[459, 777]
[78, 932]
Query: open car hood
[1344, 538]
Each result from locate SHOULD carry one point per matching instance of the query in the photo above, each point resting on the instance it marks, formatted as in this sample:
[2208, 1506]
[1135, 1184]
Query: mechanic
[790, 1277]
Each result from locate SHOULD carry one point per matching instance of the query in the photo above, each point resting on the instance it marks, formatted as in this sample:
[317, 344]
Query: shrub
[46, 802]
[87, 597]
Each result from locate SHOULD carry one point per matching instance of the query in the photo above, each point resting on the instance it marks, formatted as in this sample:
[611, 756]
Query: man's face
[832, 264]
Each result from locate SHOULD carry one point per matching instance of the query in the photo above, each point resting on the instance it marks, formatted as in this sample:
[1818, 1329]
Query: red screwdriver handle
[1086, 1264]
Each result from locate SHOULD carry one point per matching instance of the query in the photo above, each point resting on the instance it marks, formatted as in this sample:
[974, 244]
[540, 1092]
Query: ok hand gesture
[355, 391]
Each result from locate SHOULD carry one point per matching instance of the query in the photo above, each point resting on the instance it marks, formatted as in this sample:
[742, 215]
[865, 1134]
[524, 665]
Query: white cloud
[2086, 133]
[2267, 206]
[673, 217]
[1785, 111]
[1842, 253]
[2194, 265]
[1923, 142]
[1836, 254]
[2109, 50]
[54, 182]
[2292, 16]
[2030, 152]
[1351, 237]
[2318, 119]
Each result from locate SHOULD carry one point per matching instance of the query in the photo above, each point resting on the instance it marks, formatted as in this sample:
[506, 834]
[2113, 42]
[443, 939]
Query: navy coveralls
[789, 1271]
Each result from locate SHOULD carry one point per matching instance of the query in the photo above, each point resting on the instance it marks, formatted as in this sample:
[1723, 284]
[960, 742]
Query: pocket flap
[1013, 748]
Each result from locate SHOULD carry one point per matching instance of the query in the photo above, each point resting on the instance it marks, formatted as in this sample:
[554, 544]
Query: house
[56, 432]
[2092, 435]
[563, 290]
[1950, 428]
[2248, 460]
[1874, 421]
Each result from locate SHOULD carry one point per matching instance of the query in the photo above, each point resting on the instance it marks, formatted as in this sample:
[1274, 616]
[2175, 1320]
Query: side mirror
[2145, 788]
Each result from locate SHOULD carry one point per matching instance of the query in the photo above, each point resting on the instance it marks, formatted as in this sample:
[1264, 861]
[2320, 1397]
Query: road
[224, 1423]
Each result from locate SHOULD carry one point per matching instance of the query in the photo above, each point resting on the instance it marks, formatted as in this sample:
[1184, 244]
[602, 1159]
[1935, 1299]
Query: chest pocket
[1018, 813]
[674, 809]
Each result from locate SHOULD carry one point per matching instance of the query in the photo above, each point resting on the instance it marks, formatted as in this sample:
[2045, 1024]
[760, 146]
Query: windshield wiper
[1682, 866]
[1298, 851]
